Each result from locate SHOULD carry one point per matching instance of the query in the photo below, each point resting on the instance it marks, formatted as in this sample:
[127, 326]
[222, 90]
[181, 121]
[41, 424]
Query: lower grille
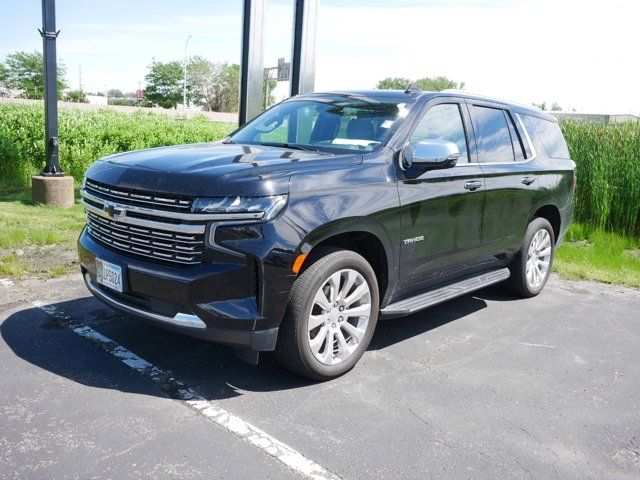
[160, 245]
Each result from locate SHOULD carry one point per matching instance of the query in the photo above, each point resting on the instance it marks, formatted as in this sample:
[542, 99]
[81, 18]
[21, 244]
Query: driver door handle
[528, 180]
[473, 185]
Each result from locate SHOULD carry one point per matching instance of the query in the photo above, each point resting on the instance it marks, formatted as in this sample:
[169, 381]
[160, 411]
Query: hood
[212, 169]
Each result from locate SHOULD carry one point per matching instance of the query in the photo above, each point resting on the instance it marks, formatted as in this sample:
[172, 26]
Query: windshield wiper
[293, 146]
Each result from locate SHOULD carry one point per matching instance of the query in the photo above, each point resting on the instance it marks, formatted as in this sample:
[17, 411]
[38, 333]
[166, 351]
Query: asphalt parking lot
[486, 386]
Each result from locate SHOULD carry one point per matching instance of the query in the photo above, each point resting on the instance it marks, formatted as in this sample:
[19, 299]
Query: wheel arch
[551, 213]
[363, 236]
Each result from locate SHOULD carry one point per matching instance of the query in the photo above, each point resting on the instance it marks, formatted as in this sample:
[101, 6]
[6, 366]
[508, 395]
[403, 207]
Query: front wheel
[531, 268]
[330, 317]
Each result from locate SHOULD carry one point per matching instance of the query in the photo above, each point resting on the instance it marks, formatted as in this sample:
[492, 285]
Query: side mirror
[435, 154]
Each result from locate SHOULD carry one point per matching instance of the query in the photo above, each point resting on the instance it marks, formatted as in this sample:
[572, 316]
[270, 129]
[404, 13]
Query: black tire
[293, 351]
[518, 281]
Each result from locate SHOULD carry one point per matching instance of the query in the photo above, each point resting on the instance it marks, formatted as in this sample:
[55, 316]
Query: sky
[581, 54]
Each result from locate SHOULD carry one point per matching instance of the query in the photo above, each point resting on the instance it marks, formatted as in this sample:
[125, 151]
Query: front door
[441, 210]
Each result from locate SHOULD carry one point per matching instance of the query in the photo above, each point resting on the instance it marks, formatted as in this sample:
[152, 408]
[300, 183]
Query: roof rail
[494, 99]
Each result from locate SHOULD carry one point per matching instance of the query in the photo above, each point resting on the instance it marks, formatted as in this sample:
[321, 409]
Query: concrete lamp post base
[53, 190]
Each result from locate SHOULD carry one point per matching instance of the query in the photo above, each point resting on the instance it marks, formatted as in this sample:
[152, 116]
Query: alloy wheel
[538, 258]
[339, 316]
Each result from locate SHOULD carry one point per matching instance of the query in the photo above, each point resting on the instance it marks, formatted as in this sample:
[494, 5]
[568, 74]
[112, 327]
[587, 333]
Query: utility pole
[267, 78]
[52, 186]
[184, 82]
[80, 77]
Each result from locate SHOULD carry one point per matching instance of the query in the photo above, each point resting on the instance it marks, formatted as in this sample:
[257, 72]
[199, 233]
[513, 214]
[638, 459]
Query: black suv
[298, 230]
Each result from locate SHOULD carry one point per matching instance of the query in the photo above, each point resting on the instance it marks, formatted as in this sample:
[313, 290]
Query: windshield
[334, 125]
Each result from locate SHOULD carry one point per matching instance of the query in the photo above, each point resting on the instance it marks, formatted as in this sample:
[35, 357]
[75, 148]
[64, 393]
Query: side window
[443, 122]
[546, 135]
[518, 145]
[493, 137]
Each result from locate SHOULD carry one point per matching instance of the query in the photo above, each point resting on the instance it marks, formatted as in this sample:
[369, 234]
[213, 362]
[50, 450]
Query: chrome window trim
[191, 217]
[180, 319]
[534, 152]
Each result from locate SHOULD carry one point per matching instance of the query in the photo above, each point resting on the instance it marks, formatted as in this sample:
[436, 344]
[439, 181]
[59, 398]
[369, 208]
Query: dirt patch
[39, 261]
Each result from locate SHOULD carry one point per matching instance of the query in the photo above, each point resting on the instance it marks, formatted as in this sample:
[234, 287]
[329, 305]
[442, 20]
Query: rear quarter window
[546, 135]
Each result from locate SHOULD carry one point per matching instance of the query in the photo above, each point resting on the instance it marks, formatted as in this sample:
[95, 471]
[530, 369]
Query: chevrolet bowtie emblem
[113, 211]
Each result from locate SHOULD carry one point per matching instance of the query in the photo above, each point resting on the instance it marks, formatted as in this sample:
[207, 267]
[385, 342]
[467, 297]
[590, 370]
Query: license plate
[109, 275]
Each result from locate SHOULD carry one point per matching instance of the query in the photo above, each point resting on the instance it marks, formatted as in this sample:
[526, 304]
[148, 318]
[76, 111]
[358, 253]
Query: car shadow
[212, 370]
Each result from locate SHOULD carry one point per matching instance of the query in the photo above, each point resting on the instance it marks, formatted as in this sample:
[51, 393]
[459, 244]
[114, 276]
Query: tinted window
[546, 135]
[493, 137]
[443, 122]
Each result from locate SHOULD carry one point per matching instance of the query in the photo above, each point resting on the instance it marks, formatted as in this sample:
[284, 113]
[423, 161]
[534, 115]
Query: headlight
[84, 181]
[269, 207]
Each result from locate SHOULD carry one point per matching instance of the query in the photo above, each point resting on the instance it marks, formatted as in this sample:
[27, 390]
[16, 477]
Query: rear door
[511, 180]
[441, 210]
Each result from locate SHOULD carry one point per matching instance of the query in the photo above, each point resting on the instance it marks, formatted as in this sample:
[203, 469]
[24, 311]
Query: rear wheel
[531, 268]
[331, 316]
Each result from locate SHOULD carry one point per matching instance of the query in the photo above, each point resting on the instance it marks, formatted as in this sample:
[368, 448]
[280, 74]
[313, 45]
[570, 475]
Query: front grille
[138, 197]
[162, 245]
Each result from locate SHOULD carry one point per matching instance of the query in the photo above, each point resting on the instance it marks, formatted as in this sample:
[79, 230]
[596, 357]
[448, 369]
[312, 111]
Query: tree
[77, 96]
[24, 71]
[4, 87]
[214, 86]
[438, 84]
[432, 84]
[164, 84]
[542, 106]
[394, 83]
[555, 107]
[115, 93]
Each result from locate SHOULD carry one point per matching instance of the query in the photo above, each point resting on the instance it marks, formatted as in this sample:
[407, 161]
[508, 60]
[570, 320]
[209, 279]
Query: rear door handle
[473, 185]
[528, 180]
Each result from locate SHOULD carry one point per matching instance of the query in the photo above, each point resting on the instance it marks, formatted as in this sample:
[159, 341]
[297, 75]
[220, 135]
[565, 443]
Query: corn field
[607, 155]
[88, 135]
[608, 169]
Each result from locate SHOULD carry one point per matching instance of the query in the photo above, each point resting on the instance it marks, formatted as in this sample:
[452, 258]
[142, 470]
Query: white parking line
[527, 344]
[178, 390]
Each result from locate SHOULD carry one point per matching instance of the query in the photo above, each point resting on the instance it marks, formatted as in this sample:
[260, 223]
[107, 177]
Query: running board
[433, 297]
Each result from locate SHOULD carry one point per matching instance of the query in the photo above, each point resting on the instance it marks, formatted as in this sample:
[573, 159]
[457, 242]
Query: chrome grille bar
[121, 237]
[161, 214]
[129, 196]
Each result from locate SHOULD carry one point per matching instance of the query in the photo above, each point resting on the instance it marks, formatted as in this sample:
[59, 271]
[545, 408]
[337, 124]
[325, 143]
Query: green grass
[593, 254]
[86, 136]
[23, 224]
[36, 240]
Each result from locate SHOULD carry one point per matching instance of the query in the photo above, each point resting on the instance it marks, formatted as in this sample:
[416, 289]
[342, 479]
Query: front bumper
[214, 302]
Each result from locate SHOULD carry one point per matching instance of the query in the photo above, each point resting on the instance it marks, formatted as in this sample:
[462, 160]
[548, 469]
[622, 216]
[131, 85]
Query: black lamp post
[49, 35]
[52, 186]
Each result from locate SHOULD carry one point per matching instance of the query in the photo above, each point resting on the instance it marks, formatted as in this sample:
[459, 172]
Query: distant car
[300, 229]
